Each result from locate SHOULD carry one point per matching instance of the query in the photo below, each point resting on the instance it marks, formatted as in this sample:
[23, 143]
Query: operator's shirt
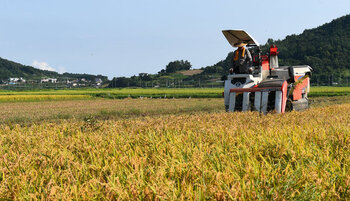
[242, 60]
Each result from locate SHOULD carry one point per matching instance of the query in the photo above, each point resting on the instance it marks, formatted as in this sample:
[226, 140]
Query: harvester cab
[268, 87]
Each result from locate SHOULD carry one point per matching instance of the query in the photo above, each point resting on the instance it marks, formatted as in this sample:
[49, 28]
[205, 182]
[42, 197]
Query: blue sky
[126, 37]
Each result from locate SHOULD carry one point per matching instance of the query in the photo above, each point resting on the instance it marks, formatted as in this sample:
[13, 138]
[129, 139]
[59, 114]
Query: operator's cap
[240, 43]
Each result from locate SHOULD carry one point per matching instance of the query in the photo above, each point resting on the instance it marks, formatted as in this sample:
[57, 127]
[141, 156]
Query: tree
[177, 65]
[270, 41]
[145, 77]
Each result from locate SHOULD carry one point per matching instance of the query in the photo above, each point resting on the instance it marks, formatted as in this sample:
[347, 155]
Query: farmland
[171, 149]
[147, 92]
[128, 93]
[27, 112]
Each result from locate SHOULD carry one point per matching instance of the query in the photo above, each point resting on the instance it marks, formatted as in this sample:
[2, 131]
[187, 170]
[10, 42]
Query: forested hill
[10, 69]
[325, 48]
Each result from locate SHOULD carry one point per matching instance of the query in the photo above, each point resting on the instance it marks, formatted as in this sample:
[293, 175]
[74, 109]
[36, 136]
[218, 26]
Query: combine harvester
[269, 87]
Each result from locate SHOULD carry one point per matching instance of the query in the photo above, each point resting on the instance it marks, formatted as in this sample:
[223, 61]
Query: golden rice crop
[222, 156]
[15, 98]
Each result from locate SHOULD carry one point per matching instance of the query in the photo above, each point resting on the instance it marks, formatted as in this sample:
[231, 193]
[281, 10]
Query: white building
[98, 80]
[49, 80]
[15, 80]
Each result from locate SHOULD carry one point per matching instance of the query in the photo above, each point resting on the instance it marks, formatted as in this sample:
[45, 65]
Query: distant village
[66, 82]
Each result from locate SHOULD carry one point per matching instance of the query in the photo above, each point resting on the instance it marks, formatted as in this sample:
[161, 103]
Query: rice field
[24, 98]
[198, 156]
[28, 112]
[170, 149]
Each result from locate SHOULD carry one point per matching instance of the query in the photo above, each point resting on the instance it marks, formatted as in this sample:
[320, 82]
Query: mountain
[325, 48]
[10, 69]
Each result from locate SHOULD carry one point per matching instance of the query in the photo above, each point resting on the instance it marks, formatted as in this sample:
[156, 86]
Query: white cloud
[62, 69]
[43, 66]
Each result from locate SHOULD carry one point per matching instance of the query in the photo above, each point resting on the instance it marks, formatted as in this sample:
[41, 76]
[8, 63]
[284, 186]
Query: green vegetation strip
[124, 93]
[329, 91]
[142, 93]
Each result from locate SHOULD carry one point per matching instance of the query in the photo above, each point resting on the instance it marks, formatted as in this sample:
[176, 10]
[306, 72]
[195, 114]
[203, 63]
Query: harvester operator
[242, 59]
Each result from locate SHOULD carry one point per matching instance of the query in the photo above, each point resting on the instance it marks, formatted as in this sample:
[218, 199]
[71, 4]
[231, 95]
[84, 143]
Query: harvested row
[297, 155]
[28, 112]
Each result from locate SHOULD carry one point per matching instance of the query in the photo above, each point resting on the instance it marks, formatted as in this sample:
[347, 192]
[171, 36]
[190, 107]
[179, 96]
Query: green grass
[129, 92]
[329, 91]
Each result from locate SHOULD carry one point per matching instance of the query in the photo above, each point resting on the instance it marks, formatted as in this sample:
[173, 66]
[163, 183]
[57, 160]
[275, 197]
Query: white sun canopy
[234, 36]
